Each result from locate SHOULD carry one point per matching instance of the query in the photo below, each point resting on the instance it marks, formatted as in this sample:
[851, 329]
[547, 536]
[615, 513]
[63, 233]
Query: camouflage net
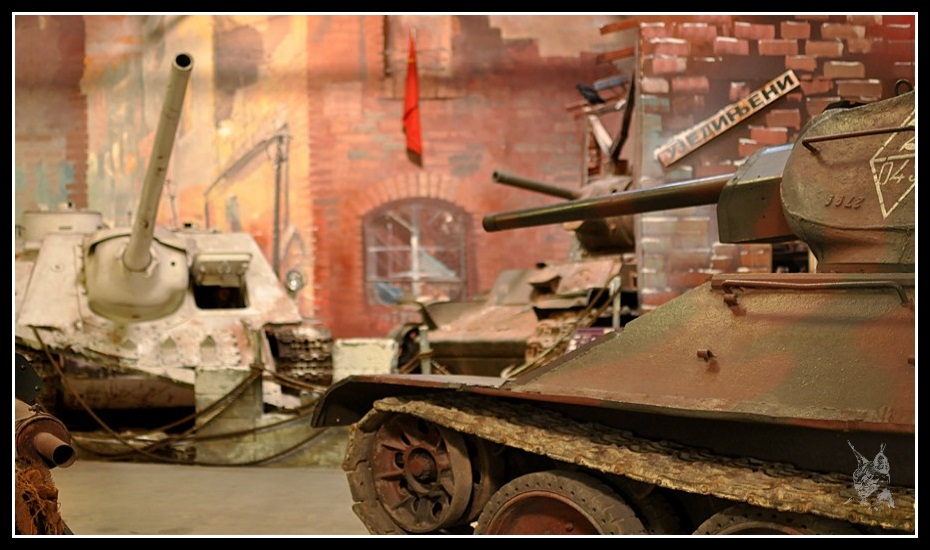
[36, 502]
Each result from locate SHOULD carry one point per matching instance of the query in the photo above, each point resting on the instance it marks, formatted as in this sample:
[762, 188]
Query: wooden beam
[616, 54]
[617, 26]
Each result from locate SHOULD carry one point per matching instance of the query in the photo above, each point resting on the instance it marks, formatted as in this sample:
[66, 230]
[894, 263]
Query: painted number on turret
[893, 168]
[685, 142]
[846, 201]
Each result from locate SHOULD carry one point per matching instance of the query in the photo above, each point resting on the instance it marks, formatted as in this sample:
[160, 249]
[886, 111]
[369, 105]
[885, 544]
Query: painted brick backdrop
[689, 67]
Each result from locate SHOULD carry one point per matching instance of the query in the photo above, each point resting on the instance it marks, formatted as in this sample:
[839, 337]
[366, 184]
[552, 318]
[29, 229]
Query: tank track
[304, 353]
[775, 486]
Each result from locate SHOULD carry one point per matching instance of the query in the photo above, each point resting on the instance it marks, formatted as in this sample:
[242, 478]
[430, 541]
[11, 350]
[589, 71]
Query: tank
[124, 318]
[755, 403]
[532, 315]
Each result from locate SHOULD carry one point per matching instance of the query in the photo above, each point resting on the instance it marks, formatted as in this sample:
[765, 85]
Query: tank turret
[134, 275]
[859, 216]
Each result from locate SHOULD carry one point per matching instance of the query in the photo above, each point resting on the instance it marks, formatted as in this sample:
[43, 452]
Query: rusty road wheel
[409, 476]
[743, 519]
[557, 502]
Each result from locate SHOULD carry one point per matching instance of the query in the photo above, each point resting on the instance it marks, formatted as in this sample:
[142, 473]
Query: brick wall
[49, 107]
[692, 66]
[499, 105]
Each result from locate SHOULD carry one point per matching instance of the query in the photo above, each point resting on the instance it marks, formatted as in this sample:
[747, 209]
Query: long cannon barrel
[138, 255]
[533, 185]
[694, 192]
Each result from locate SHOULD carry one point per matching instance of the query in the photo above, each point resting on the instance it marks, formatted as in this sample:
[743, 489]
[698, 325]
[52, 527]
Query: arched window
[415, 248]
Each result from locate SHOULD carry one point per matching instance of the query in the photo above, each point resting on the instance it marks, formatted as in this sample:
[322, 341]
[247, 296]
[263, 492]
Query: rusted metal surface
[853, 201]
[775, 486]
[751, 388]
[41, 438]
[42, 443]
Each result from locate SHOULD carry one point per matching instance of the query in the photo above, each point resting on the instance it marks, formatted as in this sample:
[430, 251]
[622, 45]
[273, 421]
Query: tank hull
[707, 378]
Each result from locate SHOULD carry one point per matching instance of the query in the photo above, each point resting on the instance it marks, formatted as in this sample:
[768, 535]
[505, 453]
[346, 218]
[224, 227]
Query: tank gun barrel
[529, 184]
[694, 192]
[137, 255]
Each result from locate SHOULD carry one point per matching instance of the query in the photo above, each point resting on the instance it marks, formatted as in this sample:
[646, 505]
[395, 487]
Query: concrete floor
[305, 494]
[148, 499]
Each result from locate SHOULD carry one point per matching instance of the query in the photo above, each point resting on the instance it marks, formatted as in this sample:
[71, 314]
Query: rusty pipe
[40, 437]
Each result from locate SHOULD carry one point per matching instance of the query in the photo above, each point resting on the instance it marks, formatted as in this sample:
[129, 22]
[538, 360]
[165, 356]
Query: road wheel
[407, 475]
[744, 519]
[557, 502]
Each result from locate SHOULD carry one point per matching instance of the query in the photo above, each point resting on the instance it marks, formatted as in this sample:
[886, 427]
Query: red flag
[412, 103]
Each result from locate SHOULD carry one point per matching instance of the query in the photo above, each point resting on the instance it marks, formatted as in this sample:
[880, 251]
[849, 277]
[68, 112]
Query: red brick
[686, 104]
[654, 85]
[751, 31]
[778, 46]
[815, 105]
[688, 279]
[690, 84]
[668, 46]
[739, 90]
[669, 65]
[725, 45]
[801, 63]
[703, 65]
[693, 225]
[863, 45]
[904, 69]
[824, 48]
[648, 31]
[748, 147]
[756, 256]
[864, 19]
[843, 69]
[788, 118]
[795, 29]
[698, 33]
[898, 20]
[901, 48]
[653, 298]
[774, 135]
[816, 86]
[841, 30]
[813, 17]
[677, 122]
[722, 20]
[655, 226]
[899, 32]
[683, 260]
[861, 88]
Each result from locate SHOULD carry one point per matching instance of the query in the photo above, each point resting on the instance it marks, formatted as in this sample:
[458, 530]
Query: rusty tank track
[769, 485]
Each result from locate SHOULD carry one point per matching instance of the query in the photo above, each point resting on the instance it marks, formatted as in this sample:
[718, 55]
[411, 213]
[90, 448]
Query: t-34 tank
[121, 318]
[774, 403]
[532, 315]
